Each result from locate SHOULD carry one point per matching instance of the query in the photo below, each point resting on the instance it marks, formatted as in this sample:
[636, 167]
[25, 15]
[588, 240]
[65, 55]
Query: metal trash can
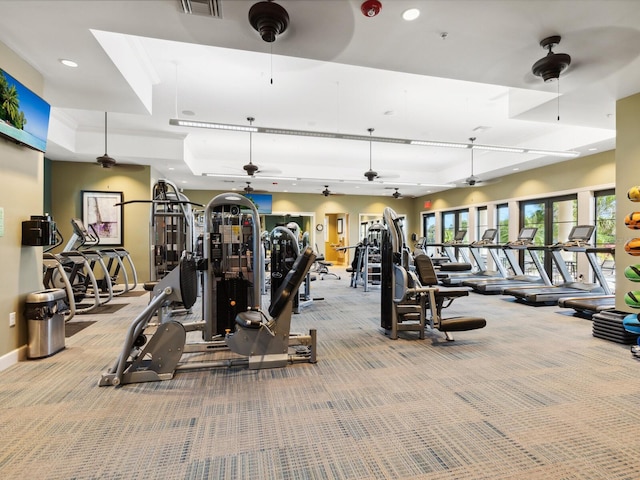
[45, 322]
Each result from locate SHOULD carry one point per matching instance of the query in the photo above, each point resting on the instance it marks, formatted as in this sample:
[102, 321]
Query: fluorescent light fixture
[426, 143]
[410, 14]
[567, 154]
[363, 138]
[214, 126]
[242, 177]
[495, 148]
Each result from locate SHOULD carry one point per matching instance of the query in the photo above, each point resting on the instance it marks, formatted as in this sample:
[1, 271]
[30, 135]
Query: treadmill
[590, 305]
[577, 242]
[457, 278]
[519, 278]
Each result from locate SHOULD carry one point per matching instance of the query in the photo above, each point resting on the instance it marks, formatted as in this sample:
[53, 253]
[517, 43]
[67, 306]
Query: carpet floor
[532, 396]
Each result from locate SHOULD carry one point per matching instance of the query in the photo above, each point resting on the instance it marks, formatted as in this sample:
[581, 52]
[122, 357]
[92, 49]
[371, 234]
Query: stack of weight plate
[608, 326]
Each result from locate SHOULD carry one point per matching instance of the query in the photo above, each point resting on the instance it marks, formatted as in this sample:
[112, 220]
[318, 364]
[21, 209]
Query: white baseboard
[13, 357]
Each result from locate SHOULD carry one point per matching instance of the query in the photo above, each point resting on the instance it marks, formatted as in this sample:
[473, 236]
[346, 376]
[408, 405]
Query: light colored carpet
[532, 395]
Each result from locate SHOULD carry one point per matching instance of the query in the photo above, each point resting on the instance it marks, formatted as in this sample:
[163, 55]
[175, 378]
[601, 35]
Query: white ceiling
[461, 70]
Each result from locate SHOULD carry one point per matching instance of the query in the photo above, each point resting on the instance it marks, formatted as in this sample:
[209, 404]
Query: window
[429, 227]
[452, 222]
[554, 218]
[502, 222]
[605, 234]
[482, 221]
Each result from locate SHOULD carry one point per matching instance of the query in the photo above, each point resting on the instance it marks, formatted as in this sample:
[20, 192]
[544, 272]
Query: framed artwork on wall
[102, 211]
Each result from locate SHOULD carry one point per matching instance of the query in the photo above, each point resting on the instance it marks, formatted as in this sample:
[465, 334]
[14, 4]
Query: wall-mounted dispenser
[39, 231]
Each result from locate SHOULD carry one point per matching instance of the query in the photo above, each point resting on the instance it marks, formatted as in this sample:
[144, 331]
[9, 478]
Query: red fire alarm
[371, 8]
[427, 204]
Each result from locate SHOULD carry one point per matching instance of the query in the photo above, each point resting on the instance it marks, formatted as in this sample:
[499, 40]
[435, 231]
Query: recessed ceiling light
[593, 149]
[188, 113]
[515, 169]
[410, 14]
[68, 63]
[171, 168]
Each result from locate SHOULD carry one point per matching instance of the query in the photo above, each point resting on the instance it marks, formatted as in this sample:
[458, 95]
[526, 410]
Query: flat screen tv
[24, 116]
[262, 201]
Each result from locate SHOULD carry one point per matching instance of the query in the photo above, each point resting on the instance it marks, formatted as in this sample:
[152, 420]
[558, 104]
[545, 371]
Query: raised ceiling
[460, 70]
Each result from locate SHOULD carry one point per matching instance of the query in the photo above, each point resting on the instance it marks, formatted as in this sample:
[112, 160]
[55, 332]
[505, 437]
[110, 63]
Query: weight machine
[405, 301]
[232, 317]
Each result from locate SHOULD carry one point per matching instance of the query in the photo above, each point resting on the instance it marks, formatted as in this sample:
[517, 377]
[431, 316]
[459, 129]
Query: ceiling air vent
[210, 8]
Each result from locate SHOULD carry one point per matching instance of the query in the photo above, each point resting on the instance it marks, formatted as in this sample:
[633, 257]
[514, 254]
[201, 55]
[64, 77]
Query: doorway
[336, 237]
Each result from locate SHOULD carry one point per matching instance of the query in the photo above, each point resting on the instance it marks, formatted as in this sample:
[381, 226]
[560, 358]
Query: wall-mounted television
[262, 201]
[24, 116]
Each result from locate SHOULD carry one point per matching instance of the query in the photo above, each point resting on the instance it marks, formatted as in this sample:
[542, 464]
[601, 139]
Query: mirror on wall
[365, 220]
[304, 220]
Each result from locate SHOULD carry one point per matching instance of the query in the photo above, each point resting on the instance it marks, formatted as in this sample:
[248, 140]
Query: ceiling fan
[396, 194]
[472, 180]
[326, 192]
[371, 174]
[249, 189]
[105, 161]
[250, 168]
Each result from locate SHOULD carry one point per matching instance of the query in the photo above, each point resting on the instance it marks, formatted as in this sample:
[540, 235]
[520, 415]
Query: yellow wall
[628, 175]
[21, 195]
[68, 179]
[572, 175]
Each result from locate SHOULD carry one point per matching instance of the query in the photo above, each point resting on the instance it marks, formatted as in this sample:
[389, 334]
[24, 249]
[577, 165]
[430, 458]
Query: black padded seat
[461, 324]
[292, 281]
[149, 286]
[455, 267]
[427, 276]
[249, 319]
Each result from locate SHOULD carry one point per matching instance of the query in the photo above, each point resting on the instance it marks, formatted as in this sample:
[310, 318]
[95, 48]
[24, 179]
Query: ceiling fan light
[550, 67]
[269, 19]
[106, 161]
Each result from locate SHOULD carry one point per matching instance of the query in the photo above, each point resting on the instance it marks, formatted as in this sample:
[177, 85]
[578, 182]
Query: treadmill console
[525, 237]
[580, 236]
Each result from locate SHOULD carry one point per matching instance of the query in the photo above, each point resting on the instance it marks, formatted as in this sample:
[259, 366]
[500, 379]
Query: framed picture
[99, 210]
[340, 226]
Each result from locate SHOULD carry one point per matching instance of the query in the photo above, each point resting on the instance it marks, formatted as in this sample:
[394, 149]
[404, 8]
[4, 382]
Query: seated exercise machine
[233, 321]
[405, 301]
[285, 249]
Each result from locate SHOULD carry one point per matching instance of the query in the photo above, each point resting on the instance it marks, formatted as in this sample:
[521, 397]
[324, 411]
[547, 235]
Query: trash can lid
[48, 295]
